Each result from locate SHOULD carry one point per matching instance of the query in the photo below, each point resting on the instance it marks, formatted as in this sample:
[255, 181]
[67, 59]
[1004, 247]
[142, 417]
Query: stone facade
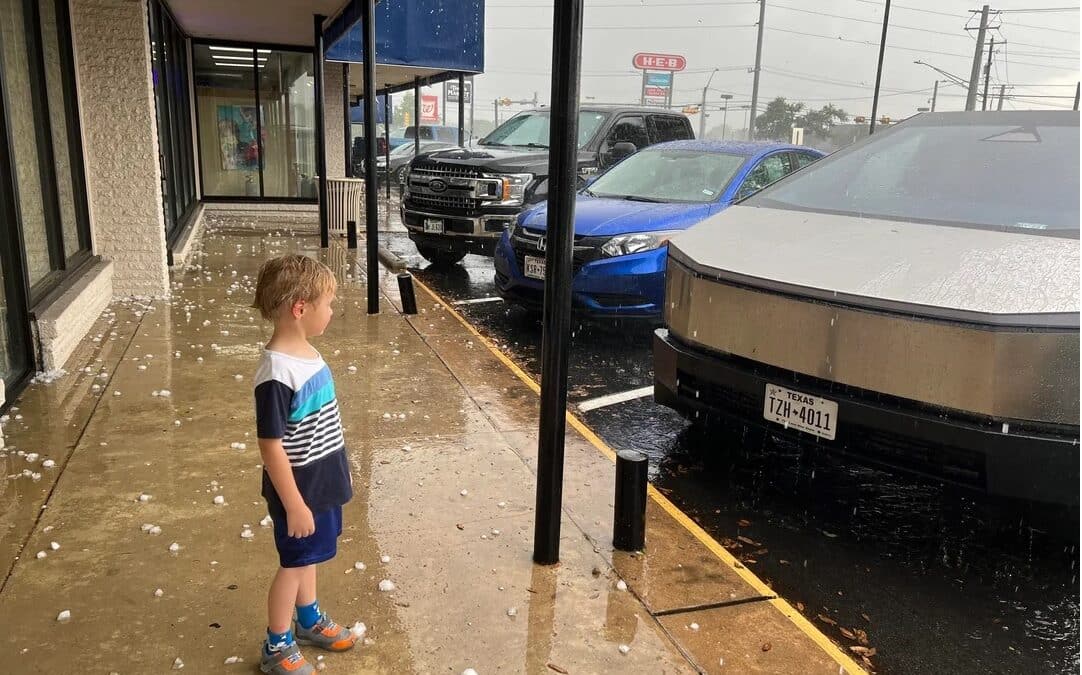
[62, 326]
[332, 119]
[120, 142]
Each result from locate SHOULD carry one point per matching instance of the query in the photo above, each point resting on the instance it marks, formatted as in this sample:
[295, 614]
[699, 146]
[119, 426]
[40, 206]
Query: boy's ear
[297, 309]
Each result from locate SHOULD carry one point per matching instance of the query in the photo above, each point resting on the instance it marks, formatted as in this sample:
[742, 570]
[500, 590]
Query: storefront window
[256, 114]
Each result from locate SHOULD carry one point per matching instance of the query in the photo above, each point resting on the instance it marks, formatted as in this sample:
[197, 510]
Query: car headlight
[511, 189]
[626, 244]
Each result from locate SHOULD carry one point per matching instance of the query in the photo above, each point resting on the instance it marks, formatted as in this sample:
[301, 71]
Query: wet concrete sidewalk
[154, 421]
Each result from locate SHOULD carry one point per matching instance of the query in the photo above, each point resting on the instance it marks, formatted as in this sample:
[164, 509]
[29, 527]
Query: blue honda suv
[624, 218]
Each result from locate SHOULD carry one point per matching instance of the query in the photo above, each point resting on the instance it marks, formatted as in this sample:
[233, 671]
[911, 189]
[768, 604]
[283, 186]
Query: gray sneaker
[325, 634]
[285, 661]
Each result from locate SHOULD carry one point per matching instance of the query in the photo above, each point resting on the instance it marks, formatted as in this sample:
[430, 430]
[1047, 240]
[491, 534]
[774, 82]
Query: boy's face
[314, 316]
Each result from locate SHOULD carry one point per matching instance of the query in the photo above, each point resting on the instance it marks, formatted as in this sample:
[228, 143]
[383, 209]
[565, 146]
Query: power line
[879, 4]
[1039, 10]
[838, 38]
[686, 27]
[859, 20]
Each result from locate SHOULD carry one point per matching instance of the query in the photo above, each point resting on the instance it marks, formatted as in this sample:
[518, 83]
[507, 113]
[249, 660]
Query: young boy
[306, 476]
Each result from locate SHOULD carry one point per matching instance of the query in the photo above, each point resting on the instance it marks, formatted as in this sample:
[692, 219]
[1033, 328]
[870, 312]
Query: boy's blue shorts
[316, 548]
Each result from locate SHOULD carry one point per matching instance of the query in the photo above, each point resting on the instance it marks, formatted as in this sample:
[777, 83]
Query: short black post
[629, 518]
[405, 290]
[351, 233]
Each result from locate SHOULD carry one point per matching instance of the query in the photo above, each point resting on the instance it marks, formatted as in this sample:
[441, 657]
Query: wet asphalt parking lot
[934, 577]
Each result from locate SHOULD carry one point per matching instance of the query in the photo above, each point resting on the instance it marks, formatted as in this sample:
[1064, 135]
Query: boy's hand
[300, 523]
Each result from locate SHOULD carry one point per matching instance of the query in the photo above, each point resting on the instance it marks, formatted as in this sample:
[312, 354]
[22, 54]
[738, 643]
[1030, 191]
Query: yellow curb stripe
[787, 610]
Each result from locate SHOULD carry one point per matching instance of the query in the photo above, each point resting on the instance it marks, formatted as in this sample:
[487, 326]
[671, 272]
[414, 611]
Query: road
[940, 579]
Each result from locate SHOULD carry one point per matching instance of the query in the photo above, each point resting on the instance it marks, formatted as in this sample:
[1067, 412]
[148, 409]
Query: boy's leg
[283, 595]
[320, 630]
[306, 590]
[281, 655]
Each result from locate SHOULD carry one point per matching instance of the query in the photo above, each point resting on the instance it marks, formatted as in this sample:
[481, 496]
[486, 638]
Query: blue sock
[308, 615]
[277, 641]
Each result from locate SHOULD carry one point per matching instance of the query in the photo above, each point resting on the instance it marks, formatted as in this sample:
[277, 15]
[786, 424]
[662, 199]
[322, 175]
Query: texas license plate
[433, 226]
[535, 267]
[793, 409]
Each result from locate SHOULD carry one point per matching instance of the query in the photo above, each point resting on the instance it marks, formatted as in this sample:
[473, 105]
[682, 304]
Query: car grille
[444, 202]
[587, 249]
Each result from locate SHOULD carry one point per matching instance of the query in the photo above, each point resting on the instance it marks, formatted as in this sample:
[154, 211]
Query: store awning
[433, 40]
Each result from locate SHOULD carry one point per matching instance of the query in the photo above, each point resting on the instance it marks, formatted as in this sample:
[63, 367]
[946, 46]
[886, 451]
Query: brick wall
[120, 141]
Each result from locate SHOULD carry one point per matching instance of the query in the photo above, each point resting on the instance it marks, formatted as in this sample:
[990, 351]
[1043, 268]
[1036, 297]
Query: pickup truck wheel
[439, 256]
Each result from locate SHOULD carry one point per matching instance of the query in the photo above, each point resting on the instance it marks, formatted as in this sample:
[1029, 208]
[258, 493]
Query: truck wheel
[440, 257]
[400, 176]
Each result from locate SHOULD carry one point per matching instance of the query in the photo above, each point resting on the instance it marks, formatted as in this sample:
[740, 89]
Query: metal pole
[416, 116]
[987, 74]
[1077, 90]
[496, 113]
[461, 110]
[935, 94]
[473, 98]
[642, 92]
[347, 127]
[975, 72]
[1002, 91]
[758, 63]
[879, 68]
[371, 178]
[556, 336]
[702, 106]
[725, 116]
[321, 139]
[444, 112]
[387, 134]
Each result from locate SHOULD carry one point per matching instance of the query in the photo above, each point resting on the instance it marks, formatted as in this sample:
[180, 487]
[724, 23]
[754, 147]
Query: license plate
[535, 267]
[433, 226]
[810, 414]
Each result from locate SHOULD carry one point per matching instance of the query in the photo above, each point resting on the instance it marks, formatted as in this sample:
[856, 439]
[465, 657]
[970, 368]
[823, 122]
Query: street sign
[430, 108]
[656, 92]
[452, 92]
[651, 61]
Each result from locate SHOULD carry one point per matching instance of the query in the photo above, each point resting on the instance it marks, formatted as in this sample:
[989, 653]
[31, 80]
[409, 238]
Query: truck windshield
[669, 176]
[531, 129]
[998, 175]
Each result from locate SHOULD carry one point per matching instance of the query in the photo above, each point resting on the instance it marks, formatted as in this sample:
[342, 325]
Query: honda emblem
[541, 243]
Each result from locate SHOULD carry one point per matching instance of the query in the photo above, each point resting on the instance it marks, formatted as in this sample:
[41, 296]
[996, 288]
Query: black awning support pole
[461, 110]
[387, 134]
[347, 128]
[416, 116]
[371, 178]
[321, 137]
[556, 337]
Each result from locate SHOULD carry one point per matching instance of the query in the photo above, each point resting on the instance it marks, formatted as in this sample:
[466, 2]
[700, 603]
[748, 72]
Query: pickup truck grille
[443, 202]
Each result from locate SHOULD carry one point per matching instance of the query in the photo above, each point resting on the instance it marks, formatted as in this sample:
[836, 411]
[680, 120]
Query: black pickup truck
[460, 200]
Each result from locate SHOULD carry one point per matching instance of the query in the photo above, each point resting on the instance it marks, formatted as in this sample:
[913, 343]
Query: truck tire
[440, 257]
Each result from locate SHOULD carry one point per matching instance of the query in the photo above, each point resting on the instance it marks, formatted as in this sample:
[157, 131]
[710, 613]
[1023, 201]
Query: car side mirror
[623, 149]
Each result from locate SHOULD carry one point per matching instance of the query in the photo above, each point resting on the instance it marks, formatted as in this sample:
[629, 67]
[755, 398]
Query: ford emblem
[437, 185]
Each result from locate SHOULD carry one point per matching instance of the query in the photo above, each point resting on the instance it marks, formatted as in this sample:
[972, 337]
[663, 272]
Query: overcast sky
[834, 61]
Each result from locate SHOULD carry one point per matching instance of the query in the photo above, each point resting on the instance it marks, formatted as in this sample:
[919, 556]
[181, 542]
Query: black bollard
[351, 234]
[405, 290]
[629, 519]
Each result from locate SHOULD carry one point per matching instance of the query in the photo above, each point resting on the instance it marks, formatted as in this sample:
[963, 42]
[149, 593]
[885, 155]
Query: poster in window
[237, 143]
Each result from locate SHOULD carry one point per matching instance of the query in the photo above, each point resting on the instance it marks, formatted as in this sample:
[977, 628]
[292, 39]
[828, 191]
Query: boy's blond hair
[289, 279]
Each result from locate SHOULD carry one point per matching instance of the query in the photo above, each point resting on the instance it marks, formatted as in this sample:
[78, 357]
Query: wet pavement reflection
[934, 577]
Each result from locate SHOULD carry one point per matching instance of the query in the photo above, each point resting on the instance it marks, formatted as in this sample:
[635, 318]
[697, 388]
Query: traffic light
[860, 119]
[884, 120]
[691, 110]
[505, 101]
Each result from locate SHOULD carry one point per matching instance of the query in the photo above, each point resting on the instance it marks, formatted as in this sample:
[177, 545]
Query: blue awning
[434, 40]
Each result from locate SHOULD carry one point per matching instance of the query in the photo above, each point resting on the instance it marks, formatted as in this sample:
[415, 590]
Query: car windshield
[531, 129]
[669, 175]
[994, 176]
[405, 150]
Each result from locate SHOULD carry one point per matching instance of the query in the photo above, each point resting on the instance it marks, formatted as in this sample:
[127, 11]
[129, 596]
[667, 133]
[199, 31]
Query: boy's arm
[298, 517]
[272, 402]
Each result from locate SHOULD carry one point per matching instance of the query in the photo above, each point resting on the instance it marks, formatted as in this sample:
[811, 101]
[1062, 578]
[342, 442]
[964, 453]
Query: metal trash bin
[344, 198]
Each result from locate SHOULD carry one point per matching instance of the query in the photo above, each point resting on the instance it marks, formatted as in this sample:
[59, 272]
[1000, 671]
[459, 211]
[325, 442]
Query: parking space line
[844, 661]
[477, 301]
[613, 399]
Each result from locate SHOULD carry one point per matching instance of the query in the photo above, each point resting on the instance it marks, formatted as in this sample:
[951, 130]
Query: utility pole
[975, 72]
[725, 114]
[473, 97]
[758, 63]
[987, 74]
[702, 108]
[879, 68]
[1002, 90]
[496, 112]
[1077, 90]
[935, 94]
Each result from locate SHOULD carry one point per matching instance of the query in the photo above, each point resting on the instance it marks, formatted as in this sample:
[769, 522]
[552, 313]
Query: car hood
[957, 273]
[500, 160]
[600, 216]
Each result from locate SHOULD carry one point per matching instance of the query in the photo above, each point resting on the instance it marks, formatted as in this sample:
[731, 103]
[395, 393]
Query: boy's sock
[308, 615]
[277, 641]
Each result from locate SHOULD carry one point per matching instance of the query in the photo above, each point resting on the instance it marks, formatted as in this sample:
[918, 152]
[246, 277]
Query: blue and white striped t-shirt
[295, 401]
